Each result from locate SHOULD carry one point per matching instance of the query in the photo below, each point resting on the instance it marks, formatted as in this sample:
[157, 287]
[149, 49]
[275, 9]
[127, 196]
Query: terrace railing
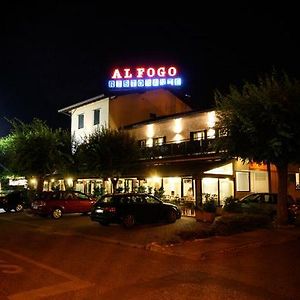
[183, 148]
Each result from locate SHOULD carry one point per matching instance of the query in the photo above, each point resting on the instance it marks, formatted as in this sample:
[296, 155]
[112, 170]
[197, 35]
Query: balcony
[185, 148]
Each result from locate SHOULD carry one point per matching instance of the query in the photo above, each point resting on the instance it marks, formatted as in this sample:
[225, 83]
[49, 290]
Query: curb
[226, 251]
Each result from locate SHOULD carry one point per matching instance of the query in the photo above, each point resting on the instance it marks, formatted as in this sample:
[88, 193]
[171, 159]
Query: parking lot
[139, 236]
[34, 277]
[75, 258]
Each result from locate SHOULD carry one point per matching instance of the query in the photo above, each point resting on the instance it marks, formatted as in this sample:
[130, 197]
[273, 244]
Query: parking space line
[73, 283]
[53, 290]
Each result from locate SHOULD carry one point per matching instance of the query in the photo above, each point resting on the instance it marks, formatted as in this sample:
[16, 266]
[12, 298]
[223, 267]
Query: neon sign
[140, 77]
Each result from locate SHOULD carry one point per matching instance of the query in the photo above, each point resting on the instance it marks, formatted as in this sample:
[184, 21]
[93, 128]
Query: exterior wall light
[150, 131]
[178, 125]
[211, 119]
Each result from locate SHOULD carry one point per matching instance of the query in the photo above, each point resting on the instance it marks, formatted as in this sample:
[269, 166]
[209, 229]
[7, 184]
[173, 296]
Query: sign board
[141, 77]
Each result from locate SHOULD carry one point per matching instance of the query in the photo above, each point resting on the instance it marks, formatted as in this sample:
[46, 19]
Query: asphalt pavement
[201, 249]
[161, 238]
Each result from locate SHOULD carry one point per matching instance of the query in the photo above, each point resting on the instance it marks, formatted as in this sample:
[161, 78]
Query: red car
[58, 203]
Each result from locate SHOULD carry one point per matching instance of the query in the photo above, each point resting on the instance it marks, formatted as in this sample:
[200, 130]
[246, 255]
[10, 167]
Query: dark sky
[54, 55]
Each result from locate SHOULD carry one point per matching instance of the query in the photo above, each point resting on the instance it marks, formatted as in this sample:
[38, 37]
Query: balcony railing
[184, 148]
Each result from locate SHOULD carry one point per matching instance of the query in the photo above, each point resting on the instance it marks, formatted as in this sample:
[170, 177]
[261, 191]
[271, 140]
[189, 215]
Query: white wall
[88, 112]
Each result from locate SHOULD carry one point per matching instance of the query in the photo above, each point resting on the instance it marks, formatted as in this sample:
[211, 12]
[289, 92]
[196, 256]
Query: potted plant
[207, 211]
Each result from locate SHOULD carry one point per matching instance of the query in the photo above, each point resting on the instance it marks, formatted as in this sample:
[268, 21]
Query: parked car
[58, 203]
[14, 200]
[267, 203]
[131, 208]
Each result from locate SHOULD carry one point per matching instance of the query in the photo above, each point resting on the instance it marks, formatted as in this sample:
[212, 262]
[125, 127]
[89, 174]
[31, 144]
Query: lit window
[159, 141]
[211, 133]
[297, 181]
[198, 135]
[222, 132]
[80, 121]
[96, 116]
[242, 182]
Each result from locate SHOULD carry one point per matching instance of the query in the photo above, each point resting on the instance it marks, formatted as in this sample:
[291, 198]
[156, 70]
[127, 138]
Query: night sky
[54, 55]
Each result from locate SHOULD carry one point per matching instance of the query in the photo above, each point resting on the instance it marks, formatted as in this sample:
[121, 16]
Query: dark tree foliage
[39, 151]
[5, 146]
[260, 122]
[107, 153]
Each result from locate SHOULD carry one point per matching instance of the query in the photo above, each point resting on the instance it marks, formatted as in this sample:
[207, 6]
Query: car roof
[126, 194]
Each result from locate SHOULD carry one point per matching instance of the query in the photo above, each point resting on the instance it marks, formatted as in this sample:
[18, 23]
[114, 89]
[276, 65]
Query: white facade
[88, 111]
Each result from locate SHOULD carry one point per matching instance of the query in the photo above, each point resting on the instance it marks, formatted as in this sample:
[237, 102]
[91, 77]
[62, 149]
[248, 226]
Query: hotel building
[176, 146]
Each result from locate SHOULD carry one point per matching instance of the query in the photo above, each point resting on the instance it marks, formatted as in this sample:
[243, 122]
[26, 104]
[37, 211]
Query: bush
[232, 205]
[227, 225]
[99, 191]
[209, 205]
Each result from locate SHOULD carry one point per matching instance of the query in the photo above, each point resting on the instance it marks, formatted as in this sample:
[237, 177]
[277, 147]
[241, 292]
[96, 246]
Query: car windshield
[250, 198]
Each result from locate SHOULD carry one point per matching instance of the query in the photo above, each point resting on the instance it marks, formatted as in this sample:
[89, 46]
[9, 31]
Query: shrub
[99, 191]
[141, 189]
[232, 205]
[227, 225]
[209, 205]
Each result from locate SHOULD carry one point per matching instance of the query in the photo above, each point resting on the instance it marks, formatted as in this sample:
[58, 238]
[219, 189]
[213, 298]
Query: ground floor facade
[189, 184]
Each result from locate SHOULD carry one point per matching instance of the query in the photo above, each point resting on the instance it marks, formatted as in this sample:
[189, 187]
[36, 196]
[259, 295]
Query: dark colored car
[131, 208]
[14, 200]
[58, 203]
[267, 203]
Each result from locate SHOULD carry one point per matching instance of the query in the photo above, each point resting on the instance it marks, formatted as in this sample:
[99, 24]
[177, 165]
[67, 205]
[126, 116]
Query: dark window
[80, 121]
[142, 143]
[96, 116]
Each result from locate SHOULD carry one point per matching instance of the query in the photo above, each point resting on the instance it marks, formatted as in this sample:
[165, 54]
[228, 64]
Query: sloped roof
[78, 104]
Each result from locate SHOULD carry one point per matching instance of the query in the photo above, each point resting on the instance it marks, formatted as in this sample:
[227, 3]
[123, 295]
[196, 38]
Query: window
[142, 143]
[96, 116]
[80, 121]
[222, 132]
[297, 181]
[151, 200]
[159, 141]
[80, 195]
[211, 133]
[198, 135]
[242, 182]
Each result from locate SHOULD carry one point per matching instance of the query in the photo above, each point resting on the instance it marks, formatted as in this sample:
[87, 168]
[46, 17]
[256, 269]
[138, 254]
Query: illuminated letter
[140, 72]
[161, 72]
[150, 72]
[116, 74]
[172, 71]
[127, 73]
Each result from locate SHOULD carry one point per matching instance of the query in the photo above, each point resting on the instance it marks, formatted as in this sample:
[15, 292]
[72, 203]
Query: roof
[87, 101]
[109, 95]
[161, 118]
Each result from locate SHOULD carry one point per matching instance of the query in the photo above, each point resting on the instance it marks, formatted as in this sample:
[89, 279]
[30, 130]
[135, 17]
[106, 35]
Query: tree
[5, 146]
[260, 123]
[37, 150]
[107, 153]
